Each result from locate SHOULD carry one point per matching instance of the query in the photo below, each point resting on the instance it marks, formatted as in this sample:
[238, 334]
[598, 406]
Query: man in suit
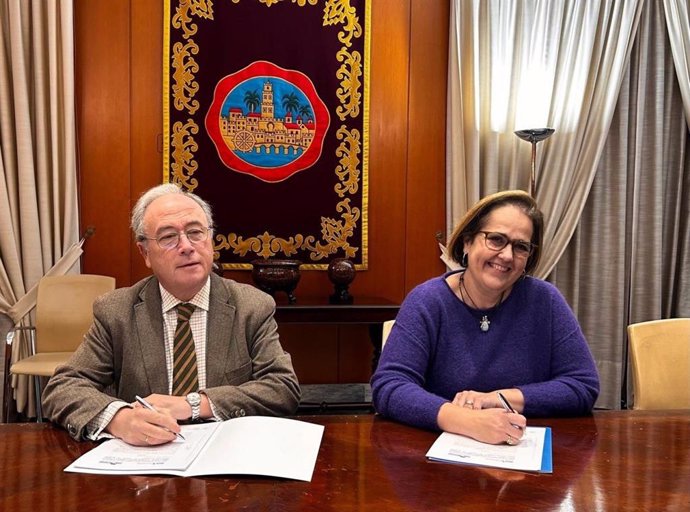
[234, 365]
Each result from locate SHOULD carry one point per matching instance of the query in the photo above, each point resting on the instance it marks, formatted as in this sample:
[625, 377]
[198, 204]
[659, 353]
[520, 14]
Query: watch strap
[194, 400]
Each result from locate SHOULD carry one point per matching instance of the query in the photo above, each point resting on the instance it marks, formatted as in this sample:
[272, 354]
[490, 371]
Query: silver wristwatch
[194, 400]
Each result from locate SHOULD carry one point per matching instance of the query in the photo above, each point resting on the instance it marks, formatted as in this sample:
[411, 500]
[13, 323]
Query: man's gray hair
[154, 193]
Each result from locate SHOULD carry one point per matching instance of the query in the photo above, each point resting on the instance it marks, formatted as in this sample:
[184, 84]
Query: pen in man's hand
[152, 408]
[506, 405]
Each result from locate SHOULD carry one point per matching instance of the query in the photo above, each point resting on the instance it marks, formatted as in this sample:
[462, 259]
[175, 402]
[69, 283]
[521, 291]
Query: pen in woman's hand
[150, 407]
[506, 405]
[504, 402]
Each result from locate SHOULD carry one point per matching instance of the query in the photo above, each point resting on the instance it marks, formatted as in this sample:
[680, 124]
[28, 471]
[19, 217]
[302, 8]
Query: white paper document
[528, 455]
[251, 445]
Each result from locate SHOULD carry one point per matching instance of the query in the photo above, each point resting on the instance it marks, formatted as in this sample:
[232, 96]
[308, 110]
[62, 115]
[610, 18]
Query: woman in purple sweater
[461, 338]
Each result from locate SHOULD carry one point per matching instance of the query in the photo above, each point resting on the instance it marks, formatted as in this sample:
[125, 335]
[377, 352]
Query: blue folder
[547, 456]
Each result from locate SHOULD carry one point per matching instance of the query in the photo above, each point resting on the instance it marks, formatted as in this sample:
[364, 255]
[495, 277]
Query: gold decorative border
[353, 74]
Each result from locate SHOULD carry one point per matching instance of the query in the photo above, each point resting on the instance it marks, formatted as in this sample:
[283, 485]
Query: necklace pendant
[484, 323]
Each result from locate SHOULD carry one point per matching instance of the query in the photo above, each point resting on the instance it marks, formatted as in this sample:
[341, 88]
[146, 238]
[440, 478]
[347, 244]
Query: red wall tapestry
[266, 117]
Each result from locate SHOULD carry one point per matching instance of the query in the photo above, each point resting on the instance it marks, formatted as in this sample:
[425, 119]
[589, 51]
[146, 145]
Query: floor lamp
[534, 135]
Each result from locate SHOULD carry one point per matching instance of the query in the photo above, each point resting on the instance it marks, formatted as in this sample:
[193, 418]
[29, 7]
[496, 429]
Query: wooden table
[372, 311]
[613, 461]
[317, 310]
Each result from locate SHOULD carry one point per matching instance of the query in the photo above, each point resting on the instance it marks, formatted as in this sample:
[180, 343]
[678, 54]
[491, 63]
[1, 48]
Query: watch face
[194, 398]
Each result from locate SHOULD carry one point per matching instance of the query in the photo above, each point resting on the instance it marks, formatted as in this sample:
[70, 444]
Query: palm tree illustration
[290, 102]
[252, 99]
[305, 111]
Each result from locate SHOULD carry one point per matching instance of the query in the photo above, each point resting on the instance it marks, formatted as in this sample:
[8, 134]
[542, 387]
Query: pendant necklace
[484, 322]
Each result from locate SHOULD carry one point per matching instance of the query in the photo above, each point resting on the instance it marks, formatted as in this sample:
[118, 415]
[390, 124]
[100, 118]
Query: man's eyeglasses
[497, 242]
[172, 239]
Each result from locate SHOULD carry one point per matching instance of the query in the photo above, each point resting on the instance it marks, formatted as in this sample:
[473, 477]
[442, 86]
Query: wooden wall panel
[146, 108]
[102, 62]
[119, 89]
[425, 214]
[390, 39]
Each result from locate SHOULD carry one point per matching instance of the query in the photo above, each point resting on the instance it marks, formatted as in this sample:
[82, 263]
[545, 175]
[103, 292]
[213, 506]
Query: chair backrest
[660, 355]
[387, 326]
[64, 309]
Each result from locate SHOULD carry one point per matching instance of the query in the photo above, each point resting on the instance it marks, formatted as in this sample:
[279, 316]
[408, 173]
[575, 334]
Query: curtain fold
[533, 64]
[627, 261]
[38, 179]
[678, 23]
[616, 173]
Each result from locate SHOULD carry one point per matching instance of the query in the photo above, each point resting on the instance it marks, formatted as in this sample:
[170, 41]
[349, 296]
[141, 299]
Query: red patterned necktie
[185, 375]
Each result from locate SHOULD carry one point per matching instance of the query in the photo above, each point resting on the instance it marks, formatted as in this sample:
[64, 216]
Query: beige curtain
[628, 260]
[678, 23]
[38, 182]
[533, 64]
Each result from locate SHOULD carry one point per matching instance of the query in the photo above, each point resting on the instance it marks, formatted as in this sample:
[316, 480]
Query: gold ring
[510, 441]
[146, 440]
[469, 403]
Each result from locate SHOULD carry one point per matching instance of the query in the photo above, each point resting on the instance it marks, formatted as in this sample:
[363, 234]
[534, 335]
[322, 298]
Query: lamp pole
[534, 135]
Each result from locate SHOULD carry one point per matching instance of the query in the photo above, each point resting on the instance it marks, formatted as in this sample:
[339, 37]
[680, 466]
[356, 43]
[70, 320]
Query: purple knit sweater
[436, 349]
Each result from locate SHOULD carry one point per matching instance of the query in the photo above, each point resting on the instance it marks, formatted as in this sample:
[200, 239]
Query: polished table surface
[612, 461]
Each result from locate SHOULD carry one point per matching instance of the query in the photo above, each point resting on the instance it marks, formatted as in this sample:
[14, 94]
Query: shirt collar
[200, 300]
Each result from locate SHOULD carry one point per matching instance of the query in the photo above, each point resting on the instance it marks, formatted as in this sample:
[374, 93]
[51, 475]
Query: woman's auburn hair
[472, 222]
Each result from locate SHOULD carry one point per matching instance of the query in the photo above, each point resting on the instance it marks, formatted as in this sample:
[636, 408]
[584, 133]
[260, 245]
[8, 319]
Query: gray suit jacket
[123, 355]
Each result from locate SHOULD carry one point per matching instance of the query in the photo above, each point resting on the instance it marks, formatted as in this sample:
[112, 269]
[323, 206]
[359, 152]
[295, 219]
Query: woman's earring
[463, 260]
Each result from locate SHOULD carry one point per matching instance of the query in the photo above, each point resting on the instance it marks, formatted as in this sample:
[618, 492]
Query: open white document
[532, 453]
[251, 445]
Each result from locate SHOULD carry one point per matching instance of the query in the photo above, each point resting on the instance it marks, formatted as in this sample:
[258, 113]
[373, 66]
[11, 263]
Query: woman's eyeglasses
[497, 242]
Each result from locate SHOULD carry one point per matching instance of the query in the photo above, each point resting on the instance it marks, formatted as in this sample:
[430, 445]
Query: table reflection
[616, 460]
[450, 486]
[643, 464]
